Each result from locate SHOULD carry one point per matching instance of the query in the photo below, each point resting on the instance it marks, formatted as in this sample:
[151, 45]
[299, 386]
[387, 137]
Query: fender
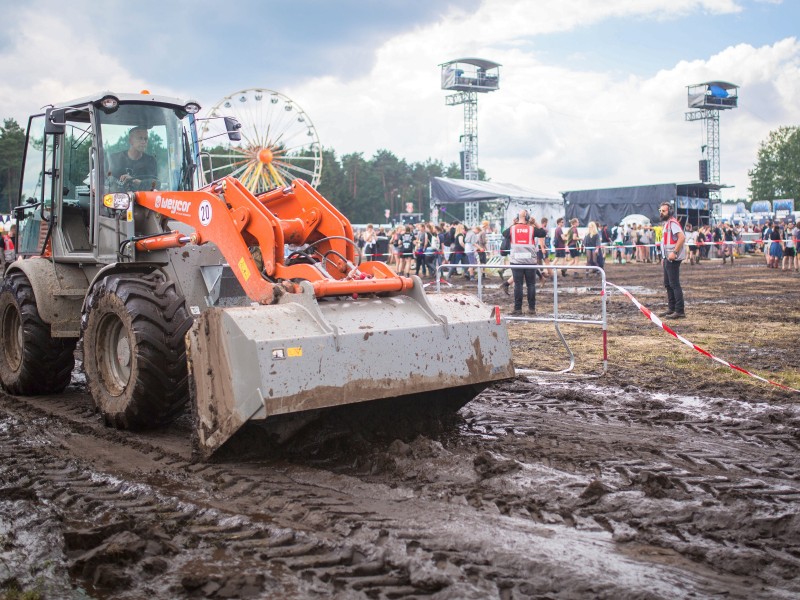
[59, 290]
[113, 268]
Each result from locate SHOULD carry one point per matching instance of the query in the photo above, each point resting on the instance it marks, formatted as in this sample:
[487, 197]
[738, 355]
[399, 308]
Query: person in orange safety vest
[673, 250]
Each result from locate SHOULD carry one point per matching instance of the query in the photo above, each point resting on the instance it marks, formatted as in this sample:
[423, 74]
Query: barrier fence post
[556, 319]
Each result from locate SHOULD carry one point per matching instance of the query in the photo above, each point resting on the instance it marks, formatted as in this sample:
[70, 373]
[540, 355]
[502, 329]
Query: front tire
[134, 350]
[31, 361]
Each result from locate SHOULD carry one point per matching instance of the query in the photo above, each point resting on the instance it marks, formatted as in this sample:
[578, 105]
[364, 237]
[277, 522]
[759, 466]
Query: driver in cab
[134, 168]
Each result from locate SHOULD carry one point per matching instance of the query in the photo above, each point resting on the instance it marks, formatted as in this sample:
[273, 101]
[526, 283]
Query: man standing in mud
[558, 243]
[673, 251]
[523, 252]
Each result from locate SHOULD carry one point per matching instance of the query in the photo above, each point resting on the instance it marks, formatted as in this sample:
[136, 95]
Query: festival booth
[609, 206]
[446, 191]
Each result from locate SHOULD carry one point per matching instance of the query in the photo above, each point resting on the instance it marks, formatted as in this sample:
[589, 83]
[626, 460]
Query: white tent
[459, 191]
[635, 220]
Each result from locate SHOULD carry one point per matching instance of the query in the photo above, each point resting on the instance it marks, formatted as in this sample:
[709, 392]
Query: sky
[592, 93]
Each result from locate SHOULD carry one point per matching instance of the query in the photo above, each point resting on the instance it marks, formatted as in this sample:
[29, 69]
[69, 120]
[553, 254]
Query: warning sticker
[243, 268]
[294, 352]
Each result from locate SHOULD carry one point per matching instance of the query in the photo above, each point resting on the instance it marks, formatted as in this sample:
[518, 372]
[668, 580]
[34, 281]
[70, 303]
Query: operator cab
[78, 152]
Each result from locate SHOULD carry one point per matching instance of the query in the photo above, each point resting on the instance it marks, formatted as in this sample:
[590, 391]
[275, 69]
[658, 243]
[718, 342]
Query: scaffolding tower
[709, 99]
[469, 77]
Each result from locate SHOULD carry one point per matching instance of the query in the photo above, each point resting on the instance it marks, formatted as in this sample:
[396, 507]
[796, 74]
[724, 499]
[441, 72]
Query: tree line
[364, 188]
[12, 145]
[776, 173]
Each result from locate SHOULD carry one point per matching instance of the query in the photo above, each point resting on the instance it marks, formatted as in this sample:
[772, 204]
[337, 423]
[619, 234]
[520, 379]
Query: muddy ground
[669, 477]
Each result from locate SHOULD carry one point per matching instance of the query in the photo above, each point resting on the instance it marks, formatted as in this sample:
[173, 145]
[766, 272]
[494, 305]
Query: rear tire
[31, 360]
[134, 350]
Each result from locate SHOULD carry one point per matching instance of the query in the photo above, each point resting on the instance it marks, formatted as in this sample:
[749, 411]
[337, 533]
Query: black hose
[339, 237]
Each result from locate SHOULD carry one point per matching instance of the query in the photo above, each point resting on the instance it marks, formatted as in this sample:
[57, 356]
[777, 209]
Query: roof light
[192, 108]
[145, 92]
[109, 102]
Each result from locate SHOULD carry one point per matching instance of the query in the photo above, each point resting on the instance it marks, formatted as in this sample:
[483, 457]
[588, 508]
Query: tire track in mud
[716, 489]
[389, 558]
[139, 518]
[157, 525]
[775, 426]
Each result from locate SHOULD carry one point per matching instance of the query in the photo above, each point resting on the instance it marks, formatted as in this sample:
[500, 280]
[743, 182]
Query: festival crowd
[422, 247]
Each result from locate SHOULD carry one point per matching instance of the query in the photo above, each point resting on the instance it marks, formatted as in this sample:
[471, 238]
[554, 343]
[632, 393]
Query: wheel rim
[13, 341]
[114, 354]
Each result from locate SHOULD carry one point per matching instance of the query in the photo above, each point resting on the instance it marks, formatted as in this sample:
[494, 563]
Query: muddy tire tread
[159, 321]
[47, 362]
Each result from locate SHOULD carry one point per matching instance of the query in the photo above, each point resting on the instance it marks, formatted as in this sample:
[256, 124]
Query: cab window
[37, 188]
[144, 149]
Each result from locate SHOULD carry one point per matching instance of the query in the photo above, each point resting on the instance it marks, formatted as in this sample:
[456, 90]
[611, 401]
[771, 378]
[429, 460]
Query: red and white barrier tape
[646, 312]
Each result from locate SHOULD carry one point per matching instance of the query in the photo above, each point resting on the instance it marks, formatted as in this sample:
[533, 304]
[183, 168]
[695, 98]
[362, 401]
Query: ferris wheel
[279, 142]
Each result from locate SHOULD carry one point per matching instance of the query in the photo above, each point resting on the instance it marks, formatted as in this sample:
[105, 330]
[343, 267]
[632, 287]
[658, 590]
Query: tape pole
[648, 313]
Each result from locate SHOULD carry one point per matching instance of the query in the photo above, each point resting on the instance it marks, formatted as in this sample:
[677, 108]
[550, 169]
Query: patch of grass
[13, 592]
[744, 315]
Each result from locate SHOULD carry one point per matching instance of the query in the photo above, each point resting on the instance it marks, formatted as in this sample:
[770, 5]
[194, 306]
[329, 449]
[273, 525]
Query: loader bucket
[302, 355]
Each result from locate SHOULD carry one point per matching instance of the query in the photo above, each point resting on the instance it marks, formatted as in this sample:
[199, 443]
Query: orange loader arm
[227, 214]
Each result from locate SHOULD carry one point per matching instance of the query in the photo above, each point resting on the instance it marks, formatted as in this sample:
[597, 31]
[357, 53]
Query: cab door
[74, 189]
[35, 210]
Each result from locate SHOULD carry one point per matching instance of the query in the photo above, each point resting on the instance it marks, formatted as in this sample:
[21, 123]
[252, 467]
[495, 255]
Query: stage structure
[469, 77]
[709, 98]
[610, 206]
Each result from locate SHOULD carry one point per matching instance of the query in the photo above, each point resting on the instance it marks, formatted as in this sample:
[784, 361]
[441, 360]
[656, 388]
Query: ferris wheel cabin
[470, 75]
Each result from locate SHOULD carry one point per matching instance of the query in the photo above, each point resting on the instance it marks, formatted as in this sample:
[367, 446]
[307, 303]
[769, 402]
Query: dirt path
[670, 477]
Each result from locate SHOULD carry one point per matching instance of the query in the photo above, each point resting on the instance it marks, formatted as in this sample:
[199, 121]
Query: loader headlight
[118, 201]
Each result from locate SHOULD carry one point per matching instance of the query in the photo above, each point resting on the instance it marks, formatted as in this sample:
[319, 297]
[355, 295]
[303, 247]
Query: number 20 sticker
[205, 212]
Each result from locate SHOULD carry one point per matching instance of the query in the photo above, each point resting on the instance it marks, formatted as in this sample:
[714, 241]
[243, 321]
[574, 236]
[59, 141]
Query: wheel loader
[250, 308]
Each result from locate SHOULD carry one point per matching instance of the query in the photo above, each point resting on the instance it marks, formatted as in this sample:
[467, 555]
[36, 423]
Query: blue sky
[647, 43]
[592, 93]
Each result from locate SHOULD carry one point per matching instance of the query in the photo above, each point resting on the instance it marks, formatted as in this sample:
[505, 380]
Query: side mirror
[233, 126]
[55, 121]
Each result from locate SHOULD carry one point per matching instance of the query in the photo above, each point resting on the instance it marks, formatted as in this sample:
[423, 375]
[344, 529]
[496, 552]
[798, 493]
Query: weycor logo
[173, 205]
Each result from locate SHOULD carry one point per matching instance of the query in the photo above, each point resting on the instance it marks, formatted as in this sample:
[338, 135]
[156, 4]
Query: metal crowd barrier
[556, 319]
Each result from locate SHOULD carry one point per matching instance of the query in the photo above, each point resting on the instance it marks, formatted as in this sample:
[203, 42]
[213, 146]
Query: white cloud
[550, 127]
[47, 60]
[635, 128]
